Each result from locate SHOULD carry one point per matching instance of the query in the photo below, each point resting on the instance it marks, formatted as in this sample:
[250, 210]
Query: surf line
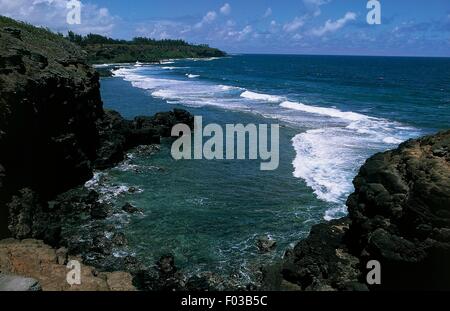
[234, 139]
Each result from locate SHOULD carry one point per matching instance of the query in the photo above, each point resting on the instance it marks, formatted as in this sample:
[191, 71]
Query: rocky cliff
[53, 129]
[53, 133]
[49, 105]
[48, 269]
[399, 215]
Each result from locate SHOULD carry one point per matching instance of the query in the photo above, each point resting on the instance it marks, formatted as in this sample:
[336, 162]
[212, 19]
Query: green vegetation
[40, 40]
[102, 49]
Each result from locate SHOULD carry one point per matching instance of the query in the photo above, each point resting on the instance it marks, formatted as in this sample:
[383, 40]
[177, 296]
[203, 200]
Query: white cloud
[162, 29]
[294, 24]
[267, 13]
[297, 37]
[231, 23]
[226, 9]
[242, 34]
[314, 5]
[207, 19]
[332, 26]
[53, 14]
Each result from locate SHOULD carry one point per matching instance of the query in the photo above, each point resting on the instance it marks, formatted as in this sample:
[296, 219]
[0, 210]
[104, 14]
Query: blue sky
[409, 27]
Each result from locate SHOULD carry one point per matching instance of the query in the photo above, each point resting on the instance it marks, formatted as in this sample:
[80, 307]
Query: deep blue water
[335, 112]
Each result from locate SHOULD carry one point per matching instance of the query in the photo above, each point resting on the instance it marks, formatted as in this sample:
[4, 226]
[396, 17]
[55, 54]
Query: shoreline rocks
[14, 283]
[130, 209]
[41, 263]
[399, 215]
[53, 133]
[266, 243]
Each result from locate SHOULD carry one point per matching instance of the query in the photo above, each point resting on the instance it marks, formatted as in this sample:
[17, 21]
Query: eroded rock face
[53, 129]
[49, 105]
[15, 283]
[39, 261]
[322, 262]
[117, 135]
[266, 243]
[399, 215]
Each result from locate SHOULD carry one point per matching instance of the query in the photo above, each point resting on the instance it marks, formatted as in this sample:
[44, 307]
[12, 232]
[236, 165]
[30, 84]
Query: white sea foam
[331, 112]
[333, 145]
[191, 76]
[392, 140]
[109, 192]
[328, 158]
[101, 65]
[208, 59]
[322, 160]
[264, 97]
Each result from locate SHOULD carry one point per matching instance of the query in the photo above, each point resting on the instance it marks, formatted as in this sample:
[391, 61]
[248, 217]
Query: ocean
[334, 113]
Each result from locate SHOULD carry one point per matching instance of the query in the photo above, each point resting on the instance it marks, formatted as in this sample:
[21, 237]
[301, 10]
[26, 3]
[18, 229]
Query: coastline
[332, 246]
[398, 216]
[73, 139]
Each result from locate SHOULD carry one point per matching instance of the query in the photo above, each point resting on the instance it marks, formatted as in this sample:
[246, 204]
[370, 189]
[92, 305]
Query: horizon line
[335, 55]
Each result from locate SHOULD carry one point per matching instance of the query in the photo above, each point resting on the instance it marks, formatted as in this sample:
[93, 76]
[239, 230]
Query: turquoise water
[334, 111]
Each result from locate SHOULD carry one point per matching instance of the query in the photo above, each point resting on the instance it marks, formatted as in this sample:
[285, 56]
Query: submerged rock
[100, 210]
[266, 243]
[166, 264]
[117, 135]
[130, 209]
[119, 239]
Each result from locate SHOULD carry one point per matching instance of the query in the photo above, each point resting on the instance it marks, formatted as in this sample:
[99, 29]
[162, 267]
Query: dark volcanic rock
[399, 215]
[53, 133]
[117, 135]
[53, 129]
[29, 217]
[266, 243]
[166, 264]
[119, 239]
[322, 261]
[48, 115]
[102, 245]
[130, 209]
[48, 112]
[100, 211]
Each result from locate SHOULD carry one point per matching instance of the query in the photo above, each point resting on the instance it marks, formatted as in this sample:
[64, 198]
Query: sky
[331, 27]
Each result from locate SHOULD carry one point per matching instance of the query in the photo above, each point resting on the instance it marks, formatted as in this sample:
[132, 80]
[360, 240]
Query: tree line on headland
[102, 49]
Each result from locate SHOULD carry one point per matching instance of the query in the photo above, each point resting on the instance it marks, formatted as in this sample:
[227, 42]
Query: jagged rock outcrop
[40, 262]
[49, 105]
[399, 215]
[15, 283]
[53, 129]
[117, 135]
[53, 133]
